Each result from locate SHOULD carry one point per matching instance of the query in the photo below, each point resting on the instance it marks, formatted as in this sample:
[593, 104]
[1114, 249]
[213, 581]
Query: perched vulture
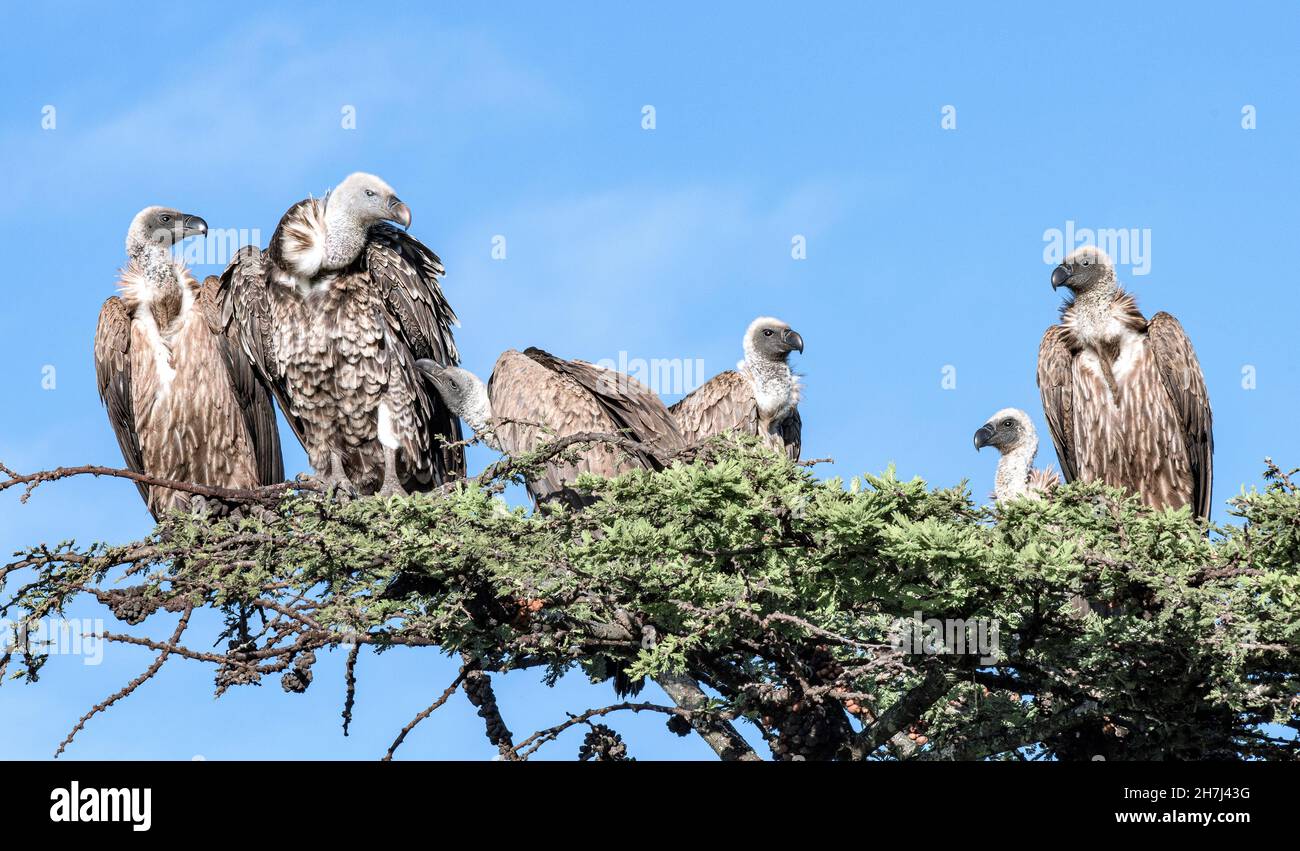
[760, 396]
[334, 314]
[180, 395]
[534, 397]
[1124, 396]
[1012, 433]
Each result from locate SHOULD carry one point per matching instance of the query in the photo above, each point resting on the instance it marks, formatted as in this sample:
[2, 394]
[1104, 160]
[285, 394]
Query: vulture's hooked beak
[193, 226]
[1060, 275]
[792, 339]
[430, 369]
[400, 213]
[984, 436]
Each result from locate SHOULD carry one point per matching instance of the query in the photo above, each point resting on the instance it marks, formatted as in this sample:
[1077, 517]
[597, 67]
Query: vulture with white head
[181, 396]
[534, 397]
[1012, 433]
[334, 314]
[1124, 396]
[760, 396]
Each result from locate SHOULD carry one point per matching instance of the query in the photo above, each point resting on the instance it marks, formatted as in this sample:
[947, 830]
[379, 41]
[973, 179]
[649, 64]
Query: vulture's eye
[1086, 262]
[1008, 423]
[164, 219]
[370, 193]
[767, 332]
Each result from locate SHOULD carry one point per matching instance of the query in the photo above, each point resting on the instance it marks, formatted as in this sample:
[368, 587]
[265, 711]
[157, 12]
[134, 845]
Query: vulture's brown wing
[723, 403]
[243, 300]
[1056, 385]
[113, 375]
[1177, 362]
[252, 393]
[406, 273]
[533, 404]
[632, 408]
[791, 432]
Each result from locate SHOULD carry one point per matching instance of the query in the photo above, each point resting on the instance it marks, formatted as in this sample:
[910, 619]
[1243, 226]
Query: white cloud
[633, 269]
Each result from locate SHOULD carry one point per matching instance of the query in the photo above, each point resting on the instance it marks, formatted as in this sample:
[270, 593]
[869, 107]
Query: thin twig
[129, 687]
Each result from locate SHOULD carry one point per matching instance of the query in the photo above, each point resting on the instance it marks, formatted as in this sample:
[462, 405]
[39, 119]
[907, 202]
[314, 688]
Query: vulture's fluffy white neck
[317, 237]
[477, 414]
[1014, 466]
[155, 288]
[776, 387]
[344, 238]
[1092, 315]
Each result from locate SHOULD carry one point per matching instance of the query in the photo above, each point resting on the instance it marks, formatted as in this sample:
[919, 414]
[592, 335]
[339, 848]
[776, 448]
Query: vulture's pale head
[367, 200]
[161, 226]
[771, 340]
[463, 391]
[1007, 430]
[1083, 269]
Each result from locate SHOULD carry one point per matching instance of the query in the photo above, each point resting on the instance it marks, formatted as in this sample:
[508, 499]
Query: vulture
[760, 396]
[1124, 396]
[333, 315]
[1012, 433]
[534, 397]
[182, 397]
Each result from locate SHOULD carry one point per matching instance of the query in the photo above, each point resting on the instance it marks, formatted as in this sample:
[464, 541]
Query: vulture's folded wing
[113, 375]
[252, 392]
[532, 405]
[631, 407]
[1177, 362]
[791, 431]
[723, 403]
[244, 302]
[406, 274]
[1056, 385]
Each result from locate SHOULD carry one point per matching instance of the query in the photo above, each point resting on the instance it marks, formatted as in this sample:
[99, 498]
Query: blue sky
[925, 246]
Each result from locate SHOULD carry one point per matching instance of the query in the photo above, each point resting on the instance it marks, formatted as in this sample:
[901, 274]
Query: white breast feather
[1132, 348]
[387, 436]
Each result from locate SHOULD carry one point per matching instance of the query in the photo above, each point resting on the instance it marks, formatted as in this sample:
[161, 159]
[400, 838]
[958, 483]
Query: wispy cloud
[262, 105]
[632, 268]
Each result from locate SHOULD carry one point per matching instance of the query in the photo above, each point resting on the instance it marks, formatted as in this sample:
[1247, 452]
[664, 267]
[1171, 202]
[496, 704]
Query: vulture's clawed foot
[335, 483]
[259, 513]
[339, 488]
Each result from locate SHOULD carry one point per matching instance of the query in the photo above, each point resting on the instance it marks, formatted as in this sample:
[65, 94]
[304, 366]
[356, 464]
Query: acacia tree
[747, 588]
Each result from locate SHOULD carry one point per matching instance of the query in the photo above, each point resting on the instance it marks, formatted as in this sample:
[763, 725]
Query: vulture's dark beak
[400, 213]
[792, 339]
[430, 369]
[984, 436]
[1060, 275]
[194, 226]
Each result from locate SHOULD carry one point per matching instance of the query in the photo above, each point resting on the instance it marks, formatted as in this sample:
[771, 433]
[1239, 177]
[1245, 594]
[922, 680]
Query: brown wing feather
[244, 301]
[1176, 360]
[252, 392]
[723, 403]
[790, 430]
[1043, 480]
[113, 376]
[631, 407]
[1056, 385]
[406, 274]
[544, 404]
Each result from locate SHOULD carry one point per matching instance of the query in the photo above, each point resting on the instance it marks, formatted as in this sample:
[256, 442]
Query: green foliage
[786, 596]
